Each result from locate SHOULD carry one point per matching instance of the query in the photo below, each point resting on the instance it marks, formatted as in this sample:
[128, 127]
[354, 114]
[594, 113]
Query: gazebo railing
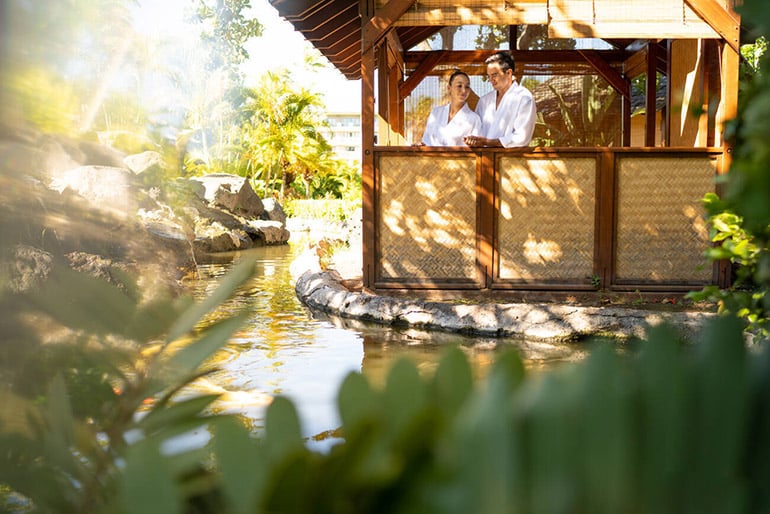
[546, 219]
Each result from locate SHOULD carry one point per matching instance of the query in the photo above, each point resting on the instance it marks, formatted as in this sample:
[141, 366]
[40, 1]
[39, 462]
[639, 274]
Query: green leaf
[453, 380]
[147, 486]
[607, 433]
[244, 471]
[166, 416]
[665, 408]
[357, 402]
[60, 422]
[186, 361]
[404, 394]
[192, 316]
[721, 386]
[508, 370]
[552, 453]
[283, 434]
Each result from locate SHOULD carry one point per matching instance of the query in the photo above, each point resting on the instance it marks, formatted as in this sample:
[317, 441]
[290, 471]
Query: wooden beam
[382, 21]
[650, 94]
[636, 64]
[611, 57]
[615, 79]
[423, 70]
[442, 14]
[725, 23]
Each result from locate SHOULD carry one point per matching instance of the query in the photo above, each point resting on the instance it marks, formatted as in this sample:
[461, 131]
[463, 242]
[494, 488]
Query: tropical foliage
[98, 419]
[139, 91]
[281, 141]
[740, 221]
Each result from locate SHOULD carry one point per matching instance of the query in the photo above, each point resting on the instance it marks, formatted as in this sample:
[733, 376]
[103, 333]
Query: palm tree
[281, 128]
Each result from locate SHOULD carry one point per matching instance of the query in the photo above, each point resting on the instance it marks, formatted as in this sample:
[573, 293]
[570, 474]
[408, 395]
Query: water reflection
[285, 349]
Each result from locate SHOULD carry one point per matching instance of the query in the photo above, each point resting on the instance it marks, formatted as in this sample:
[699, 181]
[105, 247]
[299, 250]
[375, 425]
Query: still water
[285, 349]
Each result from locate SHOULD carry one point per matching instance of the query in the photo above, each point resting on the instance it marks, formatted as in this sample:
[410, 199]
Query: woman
[449, 124]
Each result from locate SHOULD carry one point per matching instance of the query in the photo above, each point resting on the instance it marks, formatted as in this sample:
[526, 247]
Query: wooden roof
[334, 27]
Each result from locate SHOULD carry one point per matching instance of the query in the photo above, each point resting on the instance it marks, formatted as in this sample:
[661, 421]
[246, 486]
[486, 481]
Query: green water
[285, 349]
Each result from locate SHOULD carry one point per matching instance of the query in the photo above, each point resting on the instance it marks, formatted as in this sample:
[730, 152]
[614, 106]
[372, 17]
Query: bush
[90, 422]
[327, 209]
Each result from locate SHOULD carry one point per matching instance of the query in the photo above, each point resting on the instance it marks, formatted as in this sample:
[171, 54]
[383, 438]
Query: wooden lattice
[661, 230]
[546, 220]
[427, 222]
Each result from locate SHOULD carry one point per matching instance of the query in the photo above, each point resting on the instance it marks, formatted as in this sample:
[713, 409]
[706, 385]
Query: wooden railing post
[486, 209]
[606, 197]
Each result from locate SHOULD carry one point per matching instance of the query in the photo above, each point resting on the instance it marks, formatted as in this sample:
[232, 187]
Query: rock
[145, 162]
[106, 188]
[96, 210]
[326, 291]
[270, 232]
[233, 193]
[96, 154]
[273, 211]
[28, 267]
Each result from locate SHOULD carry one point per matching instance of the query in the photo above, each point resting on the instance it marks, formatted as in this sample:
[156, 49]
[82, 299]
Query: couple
[504, 117]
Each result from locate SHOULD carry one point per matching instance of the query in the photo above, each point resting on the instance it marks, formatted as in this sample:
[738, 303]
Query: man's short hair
[504, 59]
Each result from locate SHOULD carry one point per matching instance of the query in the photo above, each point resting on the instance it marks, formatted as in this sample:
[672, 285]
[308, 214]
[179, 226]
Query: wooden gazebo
[552, 218]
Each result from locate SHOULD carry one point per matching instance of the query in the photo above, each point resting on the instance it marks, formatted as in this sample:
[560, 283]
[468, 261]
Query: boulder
[107, 188]
[273, 211]
[145, 162]
[233, 193]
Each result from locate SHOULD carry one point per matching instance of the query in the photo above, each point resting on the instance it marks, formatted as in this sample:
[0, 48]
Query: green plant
[747, 298]
[740, 219]
[91, 399]
[658, 431]
[329, 209]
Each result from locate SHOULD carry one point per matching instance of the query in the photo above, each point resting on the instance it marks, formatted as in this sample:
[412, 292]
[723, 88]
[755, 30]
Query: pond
[285, 349]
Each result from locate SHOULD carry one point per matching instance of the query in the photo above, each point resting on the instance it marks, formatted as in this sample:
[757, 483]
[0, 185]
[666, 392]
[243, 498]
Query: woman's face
[500, 79]
[459, 89]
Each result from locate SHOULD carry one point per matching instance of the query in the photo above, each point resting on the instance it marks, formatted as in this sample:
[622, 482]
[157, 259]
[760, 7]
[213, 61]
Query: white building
[344, 134]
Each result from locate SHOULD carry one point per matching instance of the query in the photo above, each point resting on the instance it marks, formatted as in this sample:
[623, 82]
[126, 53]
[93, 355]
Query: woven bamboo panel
[546, 219]
[661, 230]
[427, 223]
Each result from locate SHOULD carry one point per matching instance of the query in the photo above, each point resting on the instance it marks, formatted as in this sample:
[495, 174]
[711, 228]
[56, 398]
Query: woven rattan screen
[546, 219]
[661, 231]
[427, 221]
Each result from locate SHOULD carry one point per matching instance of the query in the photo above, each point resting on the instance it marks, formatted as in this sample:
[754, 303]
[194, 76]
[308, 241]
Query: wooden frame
[693, 43]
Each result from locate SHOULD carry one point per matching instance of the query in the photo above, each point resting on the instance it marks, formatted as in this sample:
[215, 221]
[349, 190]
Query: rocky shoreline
[73, 203]
[334, 291]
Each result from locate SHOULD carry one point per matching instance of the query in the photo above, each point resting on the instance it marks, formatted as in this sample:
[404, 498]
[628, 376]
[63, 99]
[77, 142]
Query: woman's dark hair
[504, 59]
[456, 73]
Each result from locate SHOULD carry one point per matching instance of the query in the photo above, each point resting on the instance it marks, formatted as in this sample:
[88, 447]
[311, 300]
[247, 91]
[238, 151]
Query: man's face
[500, 80]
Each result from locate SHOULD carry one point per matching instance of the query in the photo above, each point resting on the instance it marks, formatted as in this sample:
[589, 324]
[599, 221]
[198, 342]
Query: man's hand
[481, 141]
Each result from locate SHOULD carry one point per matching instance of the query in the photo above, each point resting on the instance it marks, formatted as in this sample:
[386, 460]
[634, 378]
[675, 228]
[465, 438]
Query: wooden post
[367, 151]
[728, 110]
[604, 226]
[485, 212]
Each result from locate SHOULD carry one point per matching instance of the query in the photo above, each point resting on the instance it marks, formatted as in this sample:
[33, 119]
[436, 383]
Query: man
[507, 112]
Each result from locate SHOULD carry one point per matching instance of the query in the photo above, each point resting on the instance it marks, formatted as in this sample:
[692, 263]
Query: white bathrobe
[439, 131]
[513, 121]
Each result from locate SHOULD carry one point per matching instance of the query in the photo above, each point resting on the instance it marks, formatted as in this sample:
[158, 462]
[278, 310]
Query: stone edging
[323, 290]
